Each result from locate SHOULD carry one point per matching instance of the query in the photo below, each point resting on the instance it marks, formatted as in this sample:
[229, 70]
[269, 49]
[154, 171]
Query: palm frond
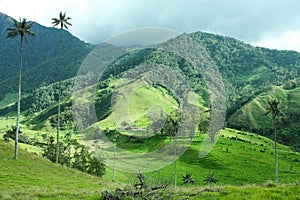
[29, 26]
[21, 28]
[12, 34]
[267, 113]
[62, 21]
[62, 15]
[68, 23]
[274, 108]
[31, 33]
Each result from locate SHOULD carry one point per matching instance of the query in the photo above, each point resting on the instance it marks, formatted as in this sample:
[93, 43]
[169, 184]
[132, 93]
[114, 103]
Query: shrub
[187, 178]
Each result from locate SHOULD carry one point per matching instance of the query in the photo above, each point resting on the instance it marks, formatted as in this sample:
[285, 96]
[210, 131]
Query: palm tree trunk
[276, 153]
[175, 164]
[59, 96]
[19, 102]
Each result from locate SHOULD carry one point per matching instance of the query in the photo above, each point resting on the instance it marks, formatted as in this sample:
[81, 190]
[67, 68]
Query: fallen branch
[206, 190]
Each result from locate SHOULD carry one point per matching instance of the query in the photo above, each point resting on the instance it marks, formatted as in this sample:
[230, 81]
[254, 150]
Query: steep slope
[33, 177]
[252, 115]
[40, 57]
[246, 69]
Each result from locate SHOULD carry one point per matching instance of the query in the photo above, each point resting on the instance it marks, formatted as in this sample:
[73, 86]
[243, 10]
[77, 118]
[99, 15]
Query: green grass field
[135, 102]
[33, 177]
[234, 161]
[265, 191]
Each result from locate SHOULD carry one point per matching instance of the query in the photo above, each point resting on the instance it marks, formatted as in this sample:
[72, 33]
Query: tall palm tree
[21, 28]
[275, 112]
[63, 22]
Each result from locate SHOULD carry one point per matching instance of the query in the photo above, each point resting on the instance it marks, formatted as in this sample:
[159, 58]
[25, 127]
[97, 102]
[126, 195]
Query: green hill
[33, 177]
[139, 105]
[251, 76]
[238, 158]
[252, 115]
[247, 72]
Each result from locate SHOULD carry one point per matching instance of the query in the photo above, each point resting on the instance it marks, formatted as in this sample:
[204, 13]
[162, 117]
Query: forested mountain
[250, 74]
[246, 69]
[40, 56]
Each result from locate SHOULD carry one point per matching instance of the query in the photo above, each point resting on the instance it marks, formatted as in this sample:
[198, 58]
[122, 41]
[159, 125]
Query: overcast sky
[269, 23]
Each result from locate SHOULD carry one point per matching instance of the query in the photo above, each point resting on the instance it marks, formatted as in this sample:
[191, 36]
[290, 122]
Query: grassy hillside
[135, 108]
[9, 99]
[252, 115]
[262, 192]
[33, 177]
[239, 158]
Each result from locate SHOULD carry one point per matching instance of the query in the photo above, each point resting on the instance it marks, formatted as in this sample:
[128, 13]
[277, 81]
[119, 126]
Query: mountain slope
[246, 69]
[252, 115]
[40, 57]
[247, 72]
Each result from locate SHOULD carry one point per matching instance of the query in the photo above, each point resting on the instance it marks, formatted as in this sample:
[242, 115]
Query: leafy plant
[74, 155]
[11, 134]
[187, 178]
[210, 179]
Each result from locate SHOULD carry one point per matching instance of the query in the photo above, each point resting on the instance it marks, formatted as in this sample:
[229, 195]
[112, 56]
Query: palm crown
[274, 109]
[63, 21]
[21, 28]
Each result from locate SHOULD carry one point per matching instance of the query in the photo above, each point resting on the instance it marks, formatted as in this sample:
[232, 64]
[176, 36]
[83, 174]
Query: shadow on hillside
[191, 157]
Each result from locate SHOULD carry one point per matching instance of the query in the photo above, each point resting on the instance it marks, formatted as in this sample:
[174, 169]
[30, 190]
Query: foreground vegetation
[239, 158]
[32, 177]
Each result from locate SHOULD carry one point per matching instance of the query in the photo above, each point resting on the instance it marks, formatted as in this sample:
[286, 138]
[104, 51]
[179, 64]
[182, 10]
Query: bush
[187, 178]
[74, 155]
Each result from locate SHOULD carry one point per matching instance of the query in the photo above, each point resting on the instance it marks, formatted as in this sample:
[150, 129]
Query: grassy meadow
[242, 169]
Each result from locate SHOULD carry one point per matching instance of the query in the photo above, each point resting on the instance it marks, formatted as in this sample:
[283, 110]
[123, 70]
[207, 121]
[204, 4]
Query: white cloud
[97, 20]
[286, 41]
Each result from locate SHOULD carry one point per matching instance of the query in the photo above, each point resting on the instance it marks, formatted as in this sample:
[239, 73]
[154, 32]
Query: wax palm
[275, 112]
[63, 22]
[210, 179]
[21, 28]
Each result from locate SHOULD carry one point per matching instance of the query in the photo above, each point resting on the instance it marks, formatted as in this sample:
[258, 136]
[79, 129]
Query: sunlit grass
[33, 177]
